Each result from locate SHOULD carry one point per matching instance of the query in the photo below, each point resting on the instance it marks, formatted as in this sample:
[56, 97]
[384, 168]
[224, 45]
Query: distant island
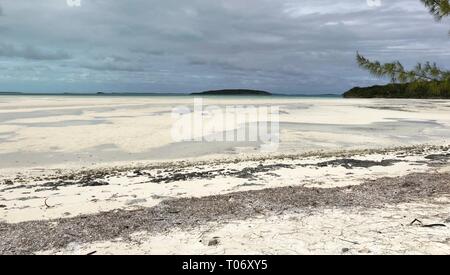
[234, 92]
[418, 90]
[10, 93]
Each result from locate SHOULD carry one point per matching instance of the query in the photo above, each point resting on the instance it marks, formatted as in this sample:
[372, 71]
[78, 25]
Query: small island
[235, 92]
[417, 89]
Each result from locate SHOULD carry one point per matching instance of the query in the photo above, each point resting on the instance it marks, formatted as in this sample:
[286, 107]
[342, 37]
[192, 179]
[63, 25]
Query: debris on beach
[8, 182]
[94, 183]
[214, 242]
[355, 163]
[419, 222]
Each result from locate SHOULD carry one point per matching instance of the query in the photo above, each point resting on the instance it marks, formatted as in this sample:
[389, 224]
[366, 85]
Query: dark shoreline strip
[186, 213]
[171, 166]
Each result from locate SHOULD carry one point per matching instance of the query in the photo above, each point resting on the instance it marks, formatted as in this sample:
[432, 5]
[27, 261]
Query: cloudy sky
[284, 46]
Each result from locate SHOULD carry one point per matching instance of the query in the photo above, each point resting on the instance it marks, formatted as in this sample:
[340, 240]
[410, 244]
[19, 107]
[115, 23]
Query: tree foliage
[422, 72]
[439, 8]
[417, 89]
[397, 73]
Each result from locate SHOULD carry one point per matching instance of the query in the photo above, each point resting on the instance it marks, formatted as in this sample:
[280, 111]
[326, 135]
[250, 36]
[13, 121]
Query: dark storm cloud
[176, 46]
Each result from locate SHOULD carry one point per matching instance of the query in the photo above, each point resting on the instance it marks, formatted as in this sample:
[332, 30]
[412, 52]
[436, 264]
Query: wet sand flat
[71, 131]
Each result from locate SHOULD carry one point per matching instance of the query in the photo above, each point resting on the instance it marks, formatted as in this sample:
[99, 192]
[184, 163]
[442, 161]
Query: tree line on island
[425, 80]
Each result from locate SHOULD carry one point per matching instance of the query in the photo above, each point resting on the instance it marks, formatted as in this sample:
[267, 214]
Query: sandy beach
[102, 175]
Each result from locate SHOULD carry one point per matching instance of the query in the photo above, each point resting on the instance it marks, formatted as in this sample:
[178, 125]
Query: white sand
[126, 191]
[329, 231]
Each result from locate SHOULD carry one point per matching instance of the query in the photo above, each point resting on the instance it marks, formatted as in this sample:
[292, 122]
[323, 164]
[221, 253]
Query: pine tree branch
[396, 71]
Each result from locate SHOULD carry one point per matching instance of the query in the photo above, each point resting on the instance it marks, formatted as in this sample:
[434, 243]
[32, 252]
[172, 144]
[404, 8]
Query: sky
[282, 46]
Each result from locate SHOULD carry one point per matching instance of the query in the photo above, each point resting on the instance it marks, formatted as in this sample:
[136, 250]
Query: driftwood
[417, 221]
[45, 202]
